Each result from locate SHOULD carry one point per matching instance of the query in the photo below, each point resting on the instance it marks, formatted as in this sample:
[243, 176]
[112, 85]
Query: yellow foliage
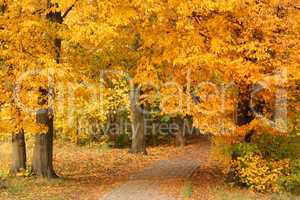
[221, 152]
[258, 173]
[221, 42]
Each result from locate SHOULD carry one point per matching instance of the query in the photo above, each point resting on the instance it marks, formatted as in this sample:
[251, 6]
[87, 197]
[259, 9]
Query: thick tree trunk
[18, 153]
[138, 124]
[42, 161]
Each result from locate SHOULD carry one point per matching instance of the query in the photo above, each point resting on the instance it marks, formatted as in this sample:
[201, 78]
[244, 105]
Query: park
[149, 99]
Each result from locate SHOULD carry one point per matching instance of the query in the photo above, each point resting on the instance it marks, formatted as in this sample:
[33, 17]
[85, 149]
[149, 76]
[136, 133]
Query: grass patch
[3, 173]
[187, 190]
[15, 188]
[105, 147]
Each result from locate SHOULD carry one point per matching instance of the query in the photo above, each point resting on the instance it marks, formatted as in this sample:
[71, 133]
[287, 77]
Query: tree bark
[180, 140]
[138, 124]
[18, 153]
[245, 113]
[42, 161]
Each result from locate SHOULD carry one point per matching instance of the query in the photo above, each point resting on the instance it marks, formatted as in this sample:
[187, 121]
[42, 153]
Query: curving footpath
[143, 185]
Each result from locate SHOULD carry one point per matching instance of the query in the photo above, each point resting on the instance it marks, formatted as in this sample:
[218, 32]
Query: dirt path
[145, 184]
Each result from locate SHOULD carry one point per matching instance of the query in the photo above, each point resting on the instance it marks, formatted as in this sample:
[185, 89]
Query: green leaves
[243, 149]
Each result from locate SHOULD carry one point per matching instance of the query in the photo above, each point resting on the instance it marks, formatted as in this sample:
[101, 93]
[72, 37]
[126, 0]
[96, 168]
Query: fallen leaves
[85, 173]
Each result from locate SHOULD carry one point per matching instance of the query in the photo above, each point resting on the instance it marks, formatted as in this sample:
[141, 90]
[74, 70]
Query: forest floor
[95, 173]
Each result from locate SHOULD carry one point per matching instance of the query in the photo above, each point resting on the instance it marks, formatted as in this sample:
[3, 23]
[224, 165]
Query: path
[143, 185]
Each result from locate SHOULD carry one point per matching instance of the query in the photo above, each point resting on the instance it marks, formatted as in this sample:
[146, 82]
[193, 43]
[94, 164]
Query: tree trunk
[42, 161]
[245, 114]
[180, 140]
[18, 153]
[138, 124]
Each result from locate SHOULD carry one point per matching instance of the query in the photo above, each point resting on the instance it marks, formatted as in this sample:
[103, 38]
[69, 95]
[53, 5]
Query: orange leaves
[239, 47]
[159, 43]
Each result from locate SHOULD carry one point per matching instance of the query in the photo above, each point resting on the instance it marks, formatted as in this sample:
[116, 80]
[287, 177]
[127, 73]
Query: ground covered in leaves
[88, 173]
[208, 181]
[85, 173]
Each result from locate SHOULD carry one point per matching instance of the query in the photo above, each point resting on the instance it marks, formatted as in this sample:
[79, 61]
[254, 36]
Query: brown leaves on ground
[202, 181]
[85, 173]
[88, 173]
[207, 182]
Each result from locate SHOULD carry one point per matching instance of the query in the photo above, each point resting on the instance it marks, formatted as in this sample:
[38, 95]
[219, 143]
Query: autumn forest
[149, 99]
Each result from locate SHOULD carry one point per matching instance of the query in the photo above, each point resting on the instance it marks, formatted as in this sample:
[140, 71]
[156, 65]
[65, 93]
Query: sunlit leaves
[225, 43]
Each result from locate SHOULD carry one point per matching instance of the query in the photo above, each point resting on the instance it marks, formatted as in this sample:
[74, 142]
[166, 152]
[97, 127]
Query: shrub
[269, 163]
[244, 149]
[259, 174]
[222, 150]
[122, 141]
[291, 183]
[278, 147]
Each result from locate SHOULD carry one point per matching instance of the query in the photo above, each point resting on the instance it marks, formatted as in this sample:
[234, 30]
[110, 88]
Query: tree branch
[39, 11]
[69, 9]
[3, 7]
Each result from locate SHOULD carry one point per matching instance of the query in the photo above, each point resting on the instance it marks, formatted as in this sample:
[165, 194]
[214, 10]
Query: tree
[213, 52]
[20, 58]
[42, 162]
[35, 49]
[138, 123]
[210, 46]
[18, 153]
[204, 57]
[17, 138]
